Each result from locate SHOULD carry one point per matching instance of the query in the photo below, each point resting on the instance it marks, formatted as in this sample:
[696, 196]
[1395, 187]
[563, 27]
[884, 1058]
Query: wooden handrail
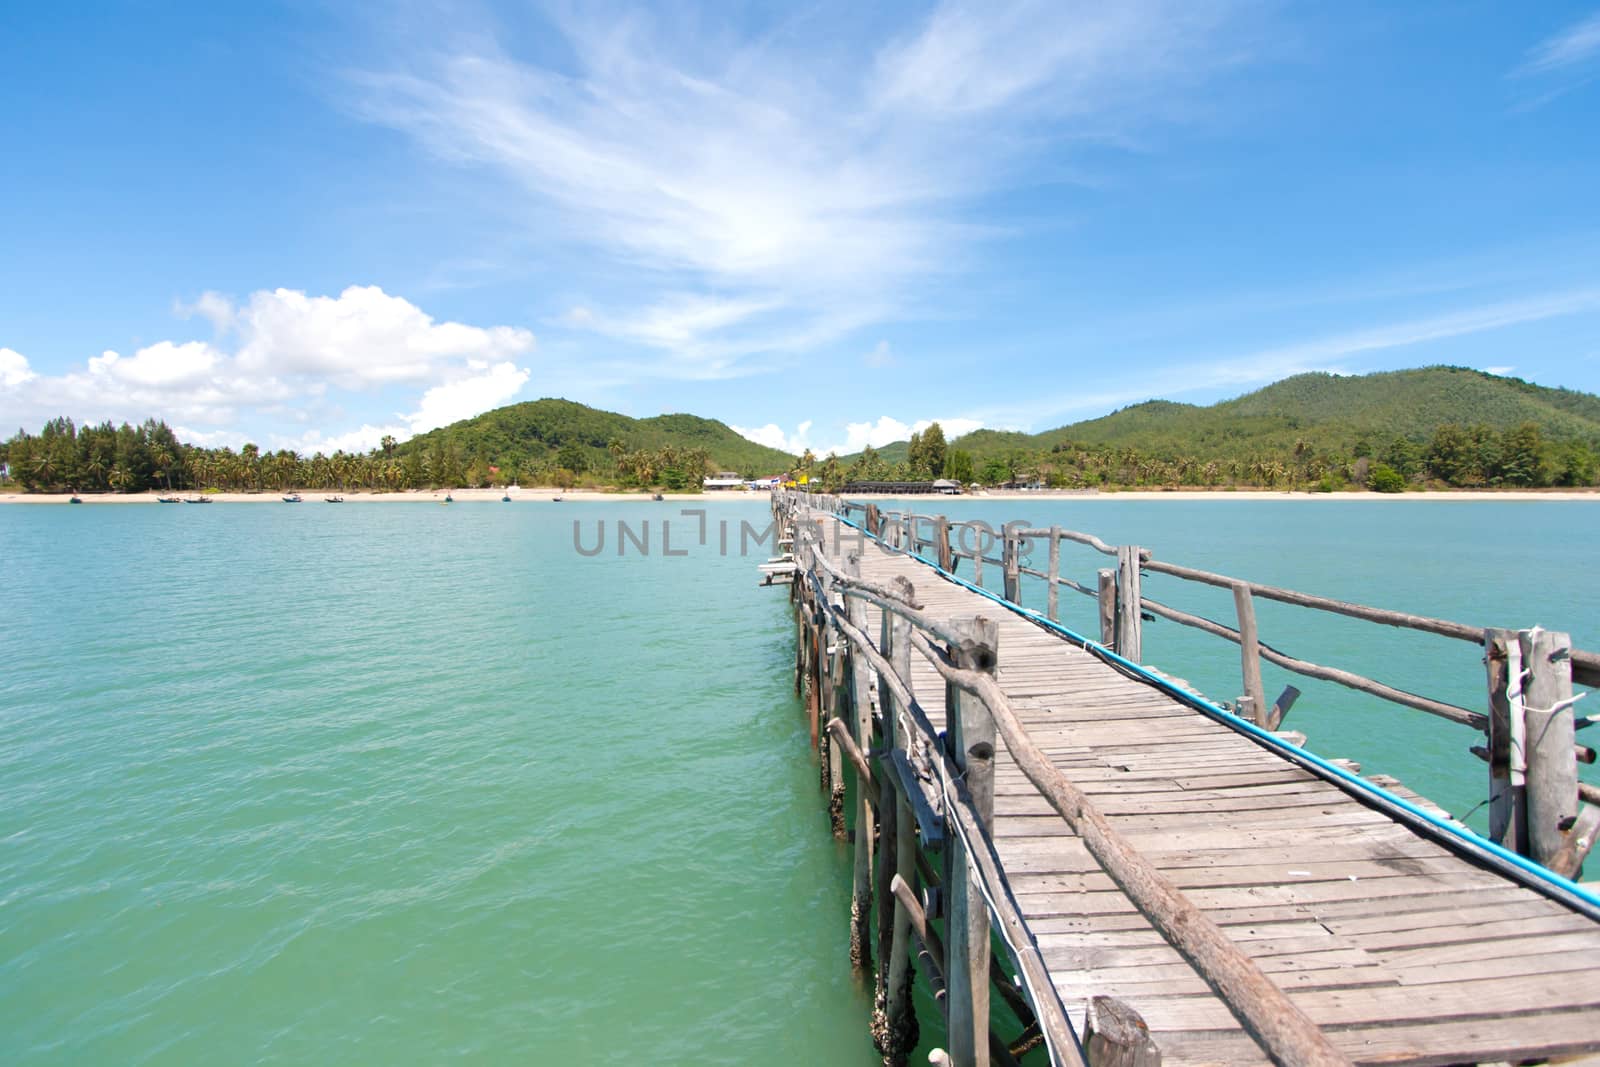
[1348, 679]
[1284, 1030]
[1287, 1033]
[1585, 664]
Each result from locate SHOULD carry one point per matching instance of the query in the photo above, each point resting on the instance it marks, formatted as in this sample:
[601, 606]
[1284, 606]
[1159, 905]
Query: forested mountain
[1448, 425]
[1444, 426]
[543, 442]
[537, 432]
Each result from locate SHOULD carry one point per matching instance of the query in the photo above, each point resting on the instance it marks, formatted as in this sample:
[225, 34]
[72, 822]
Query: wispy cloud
[1575, 46]
[763, 197]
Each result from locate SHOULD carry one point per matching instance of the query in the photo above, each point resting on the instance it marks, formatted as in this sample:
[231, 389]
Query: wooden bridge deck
[1403, 951]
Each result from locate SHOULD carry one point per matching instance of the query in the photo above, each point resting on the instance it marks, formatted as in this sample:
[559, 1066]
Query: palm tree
[161, 459]
[44, 468]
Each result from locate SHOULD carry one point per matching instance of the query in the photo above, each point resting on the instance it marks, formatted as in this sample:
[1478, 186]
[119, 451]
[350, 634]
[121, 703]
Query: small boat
[657, 496]
[197, 500]
[75, 499]
[448, 499]
[292, 498]
[506, 499]
[169, 500]
[555, 500]
[333, 500]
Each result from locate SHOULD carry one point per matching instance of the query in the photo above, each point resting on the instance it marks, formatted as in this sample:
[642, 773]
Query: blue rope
[1564, 886]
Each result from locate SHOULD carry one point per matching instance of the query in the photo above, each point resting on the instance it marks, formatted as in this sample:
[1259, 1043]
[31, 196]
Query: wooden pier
[1086, 863]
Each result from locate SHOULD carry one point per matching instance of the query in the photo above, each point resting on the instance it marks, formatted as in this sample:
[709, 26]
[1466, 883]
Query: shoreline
[585, 496]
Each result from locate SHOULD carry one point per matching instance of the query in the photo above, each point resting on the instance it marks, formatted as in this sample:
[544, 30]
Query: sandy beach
[585, 496]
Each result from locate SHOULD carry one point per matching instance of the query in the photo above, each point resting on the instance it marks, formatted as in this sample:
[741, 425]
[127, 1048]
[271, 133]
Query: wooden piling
[1552, 780]
[895, 829]
[1012, 557]
[1508, 824]
[1115, 1035]
[941, 542]
[1107, 595]
[1250, 657]
[838, 704]
[1053, 590]
[971, 741]
[865, 828]
[1129, 604]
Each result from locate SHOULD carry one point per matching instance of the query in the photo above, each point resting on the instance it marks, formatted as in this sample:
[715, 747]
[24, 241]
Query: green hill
[534, 433]
[1314, 428]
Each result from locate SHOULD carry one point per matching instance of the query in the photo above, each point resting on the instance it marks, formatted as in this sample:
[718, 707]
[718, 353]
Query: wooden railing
[1537, 804]
[926, 782]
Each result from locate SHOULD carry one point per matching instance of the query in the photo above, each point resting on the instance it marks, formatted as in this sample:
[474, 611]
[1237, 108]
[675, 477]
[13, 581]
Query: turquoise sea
[407, 784]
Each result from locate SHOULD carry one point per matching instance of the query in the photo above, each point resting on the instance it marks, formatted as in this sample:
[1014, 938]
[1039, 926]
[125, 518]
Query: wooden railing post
[865, 829]
[1115, 1035]
[895, 1021]
[1053, 593]
[1508, 823]
[1012, 556]
[1552, 780]
[1129, 604]
[1108, 607]
[971, 742]
[895, 641]
[838, 704]
[941, 542]
[872, 519]
[1250, 658]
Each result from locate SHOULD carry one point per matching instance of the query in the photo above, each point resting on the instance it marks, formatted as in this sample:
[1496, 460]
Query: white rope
[1516, 675]
[1560, 705]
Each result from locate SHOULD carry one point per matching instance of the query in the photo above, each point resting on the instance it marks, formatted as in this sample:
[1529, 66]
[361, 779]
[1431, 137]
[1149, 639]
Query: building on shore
[723, 480]
[941, 485]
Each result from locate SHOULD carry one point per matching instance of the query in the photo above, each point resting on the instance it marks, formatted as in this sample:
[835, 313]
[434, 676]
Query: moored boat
[292, 498]
[333, 500]
[169, 500]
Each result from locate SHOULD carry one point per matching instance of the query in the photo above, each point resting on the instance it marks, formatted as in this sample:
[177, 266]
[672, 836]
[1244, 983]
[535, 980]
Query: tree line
[131, 459]
[1453, 456]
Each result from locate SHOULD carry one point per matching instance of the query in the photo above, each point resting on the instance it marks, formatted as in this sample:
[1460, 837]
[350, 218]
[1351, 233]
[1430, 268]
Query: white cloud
[772, 436]
[953, 428]
[776, 194]
[857, 435]
[364, 439]
[289, 352]
[211, 438]
[14, 369]
[465, 397]
[1573, 46]
[1499, 371]
[360, 339]
[163, 364]
[212, 306]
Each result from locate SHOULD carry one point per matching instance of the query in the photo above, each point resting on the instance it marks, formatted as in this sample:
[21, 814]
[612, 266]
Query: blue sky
[307, 225]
